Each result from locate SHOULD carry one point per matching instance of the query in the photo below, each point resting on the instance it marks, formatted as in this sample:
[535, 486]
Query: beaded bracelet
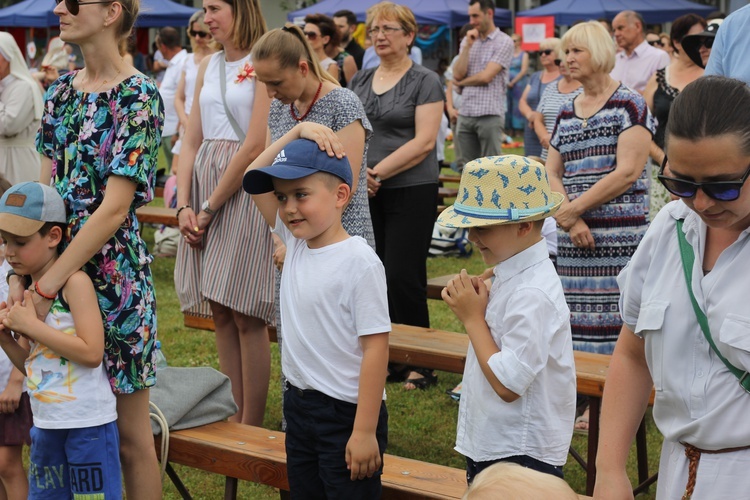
[40, 293]
[183, 207]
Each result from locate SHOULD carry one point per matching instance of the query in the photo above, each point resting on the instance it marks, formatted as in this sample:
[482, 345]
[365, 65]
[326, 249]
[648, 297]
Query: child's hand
[326, 138]
[362, 455]
[22, 315]
[10, 397]
[467, 296]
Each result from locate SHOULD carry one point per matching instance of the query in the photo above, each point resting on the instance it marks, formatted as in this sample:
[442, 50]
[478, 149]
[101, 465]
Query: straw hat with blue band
[501, 190]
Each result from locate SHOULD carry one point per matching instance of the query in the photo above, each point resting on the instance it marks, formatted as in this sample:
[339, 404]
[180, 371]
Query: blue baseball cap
[298, 159]
[27, 206]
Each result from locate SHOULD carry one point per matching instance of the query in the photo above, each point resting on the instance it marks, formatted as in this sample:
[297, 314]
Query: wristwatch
[206, 207]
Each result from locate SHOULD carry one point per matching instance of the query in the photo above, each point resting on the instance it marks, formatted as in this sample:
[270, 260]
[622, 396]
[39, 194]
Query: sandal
[397, 373]
[427, 379]
[581, 425]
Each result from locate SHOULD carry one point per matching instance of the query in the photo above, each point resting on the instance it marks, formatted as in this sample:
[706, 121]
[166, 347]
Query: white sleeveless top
[191, 74]
[240, 94]
[66, 395]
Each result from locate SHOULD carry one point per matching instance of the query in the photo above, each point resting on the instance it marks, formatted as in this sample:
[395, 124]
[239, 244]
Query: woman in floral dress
[100, 134]
[224, 261]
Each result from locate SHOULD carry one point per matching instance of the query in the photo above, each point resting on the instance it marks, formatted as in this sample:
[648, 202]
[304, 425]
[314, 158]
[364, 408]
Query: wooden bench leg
[594, 408]
[644, 481]
[230, 488]
[181, 489]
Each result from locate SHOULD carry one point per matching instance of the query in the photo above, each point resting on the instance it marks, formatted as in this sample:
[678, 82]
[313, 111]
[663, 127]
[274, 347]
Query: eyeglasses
[72, 5]
[558, 62]
[656, 43]
[199, 34]
[311, 35]
[386, 30]
[546, 52]
[718, 190]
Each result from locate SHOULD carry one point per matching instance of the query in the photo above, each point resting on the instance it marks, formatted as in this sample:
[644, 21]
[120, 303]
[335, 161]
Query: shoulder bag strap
[688, 258]
[223, 85]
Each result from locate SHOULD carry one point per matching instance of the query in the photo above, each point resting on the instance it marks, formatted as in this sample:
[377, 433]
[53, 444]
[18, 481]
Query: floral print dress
[89, 137]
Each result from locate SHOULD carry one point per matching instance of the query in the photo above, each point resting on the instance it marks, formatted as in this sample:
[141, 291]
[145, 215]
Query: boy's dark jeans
[473, 468]
[318, 427]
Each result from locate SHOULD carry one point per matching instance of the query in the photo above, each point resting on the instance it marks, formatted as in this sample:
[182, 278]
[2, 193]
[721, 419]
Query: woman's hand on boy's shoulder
[467, 296]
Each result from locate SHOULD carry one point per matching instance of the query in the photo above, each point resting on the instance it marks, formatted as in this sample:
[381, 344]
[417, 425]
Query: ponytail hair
[288, 45]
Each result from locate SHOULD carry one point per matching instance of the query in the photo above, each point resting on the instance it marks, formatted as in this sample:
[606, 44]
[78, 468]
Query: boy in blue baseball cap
[74, 450]
[334, 309]
[519, 390]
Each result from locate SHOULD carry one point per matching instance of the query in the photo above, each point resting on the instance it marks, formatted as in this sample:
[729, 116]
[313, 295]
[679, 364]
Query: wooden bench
[255, 454]
[157, 215]
[446, 351]
[258, 455]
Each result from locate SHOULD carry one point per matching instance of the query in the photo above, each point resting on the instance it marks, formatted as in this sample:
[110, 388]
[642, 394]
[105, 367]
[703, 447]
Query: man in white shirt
[637, 61]
[169, 45]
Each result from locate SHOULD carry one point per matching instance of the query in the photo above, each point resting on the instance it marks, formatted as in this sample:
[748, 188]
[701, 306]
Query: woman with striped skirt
[224, 261]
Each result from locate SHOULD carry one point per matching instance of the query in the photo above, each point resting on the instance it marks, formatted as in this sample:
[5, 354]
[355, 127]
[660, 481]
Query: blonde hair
[248, 23]
[552, 43]
[593, 37]
[509, 480]
[198, 17]
[393, 12]
[288, 46]
[130, 9]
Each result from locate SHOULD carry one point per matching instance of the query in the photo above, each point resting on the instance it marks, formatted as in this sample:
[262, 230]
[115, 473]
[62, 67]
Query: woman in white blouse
[20, 111]
[701, 405]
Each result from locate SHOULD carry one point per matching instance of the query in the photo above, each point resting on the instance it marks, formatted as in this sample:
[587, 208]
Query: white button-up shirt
[530, 322]
[698, 400]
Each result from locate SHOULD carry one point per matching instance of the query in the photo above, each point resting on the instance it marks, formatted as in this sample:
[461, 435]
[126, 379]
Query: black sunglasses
[72, 5]
[718, 190]
[707, 42]
[656, 43]
[546, 52]
[199, 34]
[558, 62]
[311, 35]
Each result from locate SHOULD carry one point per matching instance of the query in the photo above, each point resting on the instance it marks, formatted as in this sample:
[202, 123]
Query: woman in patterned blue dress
[99, 139]
[597, 158]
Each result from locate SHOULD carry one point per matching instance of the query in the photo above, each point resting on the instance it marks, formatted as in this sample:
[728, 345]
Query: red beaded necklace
[315, 99]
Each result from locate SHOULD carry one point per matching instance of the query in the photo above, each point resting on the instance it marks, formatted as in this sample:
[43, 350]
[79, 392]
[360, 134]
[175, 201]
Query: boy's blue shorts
[84, 463]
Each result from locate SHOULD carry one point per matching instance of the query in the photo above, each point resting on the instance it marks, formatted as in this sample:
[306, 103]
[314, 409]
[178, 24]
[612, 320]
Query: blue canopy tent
[567, 12]
[38, 14]
[452, 13]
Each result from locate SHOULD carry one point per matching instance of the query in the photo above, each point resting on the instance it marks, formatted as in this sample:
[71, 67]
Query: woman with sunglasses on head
[202, 46]
[538, 81]
[661, 90]
[553, 97]
[224, 263]
[99, 140]
[684, 308]
[597, 159]
[323, 36]
[404, 102]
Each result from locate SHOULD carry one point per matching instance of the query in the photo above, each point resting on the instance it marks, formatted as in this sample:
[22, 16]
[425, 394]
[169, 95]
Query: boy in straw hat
[519, 390]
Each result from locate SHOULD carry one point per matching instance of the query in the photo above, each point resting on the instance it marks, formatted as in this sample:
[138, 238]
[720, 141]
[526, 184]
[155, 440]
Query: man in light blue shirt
[731, 51]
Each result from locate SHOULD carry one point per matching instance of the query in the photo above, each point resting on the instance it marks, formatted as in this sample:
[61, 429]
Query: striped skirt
[235, 266]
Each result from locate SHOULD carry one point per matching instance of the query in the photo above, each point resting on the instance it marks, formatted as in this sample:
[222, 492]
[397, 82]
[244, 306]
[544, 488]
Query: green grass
[422, 424]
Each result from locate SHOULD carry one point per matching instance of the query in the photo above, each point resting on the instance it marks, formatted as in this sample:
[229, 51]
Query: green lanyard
[688, 257]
